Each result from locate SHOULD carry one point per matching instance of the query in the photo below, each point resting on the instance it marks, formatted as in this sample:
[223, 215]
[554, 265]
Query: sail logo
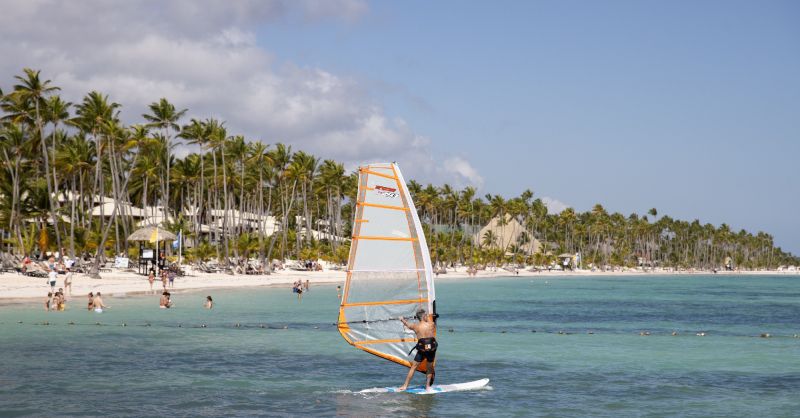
[386, 191]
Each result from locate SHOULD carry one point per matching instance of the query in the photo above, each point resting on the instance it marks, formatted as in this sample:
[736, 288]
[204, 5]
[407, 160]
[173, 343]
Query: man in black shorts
[426, 347]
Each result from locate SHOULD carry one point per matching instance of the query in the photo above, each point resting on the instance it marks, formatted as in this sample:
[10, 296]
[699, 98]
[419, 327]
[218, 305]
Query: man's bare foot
[402, 388]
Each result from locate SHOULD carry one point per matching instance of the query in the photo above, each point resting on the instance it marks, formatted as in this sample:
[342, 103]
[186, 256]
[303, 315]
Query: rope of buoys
[239, 325]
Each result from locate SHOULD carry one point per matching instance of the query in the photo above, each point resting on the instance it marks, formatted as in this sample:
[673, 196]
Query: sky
[689, 107]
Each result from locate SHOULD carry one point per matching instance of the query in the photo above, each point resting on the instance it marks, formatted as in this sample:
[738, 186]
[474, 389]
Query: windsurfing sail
[389, 272]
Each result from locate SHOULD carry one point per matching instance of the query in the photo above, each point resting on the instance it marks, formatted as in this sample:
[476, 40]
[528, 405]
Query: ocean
[552, 346]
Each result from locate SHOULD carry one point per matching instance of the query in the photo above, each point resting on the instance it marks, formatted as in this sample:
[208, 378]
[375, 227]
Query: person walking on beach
[151, 278]
[171, 277]
[209, 303]
[426, 347]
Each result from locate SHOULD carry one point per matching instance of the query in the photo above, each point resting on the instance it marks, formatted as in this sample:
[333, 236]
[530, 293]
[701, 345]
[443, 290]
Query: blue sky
[690, 107]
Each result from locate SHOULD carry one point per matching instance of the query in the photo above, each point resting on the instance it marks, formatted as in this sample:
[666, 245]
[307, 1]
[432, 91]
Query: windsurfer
[426, 347]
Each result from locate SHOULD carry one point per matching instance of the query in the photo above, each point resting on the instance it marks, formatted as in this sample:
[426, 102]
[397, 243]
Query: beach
[125, 283]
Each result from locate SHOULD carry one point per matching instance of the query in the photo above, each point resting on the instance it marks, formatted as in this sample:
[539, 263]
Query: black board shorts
[425, 355]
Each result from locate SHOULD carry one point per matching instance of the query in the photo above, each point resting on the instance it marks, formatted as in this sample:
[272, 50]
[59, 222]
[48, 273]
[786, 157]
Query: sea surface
[555, 346]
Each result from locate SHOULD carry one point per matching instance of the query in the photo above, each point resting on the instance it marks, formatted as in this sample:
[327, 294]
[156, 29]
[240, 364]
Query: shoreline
[17, 288]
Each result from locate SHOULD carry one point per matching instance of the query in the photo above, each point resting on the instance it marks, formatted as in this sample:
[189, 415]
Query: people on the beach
[165, 302]
[209, 303]
[339, 292]
[48, 301]
[151, 277]
[68, 281]
[307, 286]
[164, 279]
[51, 278]
[91, 301]
[171, 276]
[426, 347]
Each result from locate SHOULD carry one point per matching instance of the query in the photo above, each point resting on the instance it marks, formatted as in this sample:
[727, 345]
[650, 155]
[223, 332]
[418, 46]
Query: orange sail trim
[391, 340]
[385, 302]
[374, 205]
[378, 174]
[387, 238]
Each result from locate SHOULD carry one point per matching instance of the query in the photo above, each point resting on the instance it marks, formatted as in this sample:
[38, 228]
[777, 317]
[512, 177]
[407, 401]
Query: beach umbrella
[152, 234]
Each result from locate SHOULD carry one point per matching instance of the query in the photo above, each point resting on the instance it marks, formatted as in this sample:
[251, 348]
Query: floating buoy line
[267, 326]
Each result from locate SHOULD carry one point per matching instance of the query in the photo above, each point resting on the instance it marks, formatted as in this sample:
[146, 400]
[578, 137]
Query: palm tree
[33, 91]
[164, 116]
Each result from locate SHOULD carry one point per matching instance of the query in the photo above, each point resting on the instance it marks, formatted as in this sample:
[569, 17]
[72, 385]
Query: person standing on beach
[68, 281]
[51, 278]
[426, 347]
[164, 279]
[151, 278]
[171, 276]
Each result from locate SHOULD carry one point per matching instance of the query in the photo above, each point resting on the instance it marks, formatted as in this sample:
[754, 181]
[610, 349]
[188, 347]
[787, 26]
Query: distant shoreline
[17, 288]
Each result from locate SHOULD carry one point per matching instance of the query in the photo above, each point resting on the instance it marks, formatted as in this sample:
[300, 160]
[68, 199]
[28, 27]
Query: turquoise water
[551, 347]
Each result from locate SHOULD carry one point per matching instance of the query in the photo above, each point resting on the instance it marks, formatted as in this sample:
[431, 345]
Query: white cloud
[204, 56]
[554, 206]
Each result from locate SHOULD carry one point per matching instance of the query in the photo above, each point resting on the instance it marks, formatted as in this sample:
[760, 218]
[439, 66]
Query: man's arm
[407, 325]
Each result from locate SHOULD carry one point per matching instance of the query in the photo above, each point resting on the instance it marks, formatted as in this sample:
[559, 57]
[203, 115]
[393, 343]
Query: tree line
[63, 160]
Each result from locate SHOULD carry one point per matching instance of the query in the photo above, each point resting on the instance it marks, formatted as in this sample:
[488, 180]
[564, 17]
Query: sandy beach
[120, 282]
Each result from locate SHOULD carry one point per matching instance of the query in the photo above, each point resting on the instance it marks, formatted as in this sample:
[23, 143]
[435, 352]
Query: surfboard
[420, 390]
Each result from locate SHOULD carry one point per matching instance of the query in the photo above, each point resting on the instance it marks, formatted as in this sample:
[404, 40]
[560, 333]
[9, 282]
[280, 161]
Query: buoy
[203, 326]
[765, 335]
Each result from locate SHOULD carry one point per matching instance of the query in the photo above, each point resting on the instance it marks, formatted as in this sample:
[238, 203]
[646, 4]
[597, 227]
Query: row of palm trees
[61, 161]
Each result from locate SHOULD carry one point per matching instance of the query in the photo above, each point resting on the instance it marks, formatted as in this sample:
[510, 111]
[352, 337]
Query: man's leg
[430, 374]
[411, 371]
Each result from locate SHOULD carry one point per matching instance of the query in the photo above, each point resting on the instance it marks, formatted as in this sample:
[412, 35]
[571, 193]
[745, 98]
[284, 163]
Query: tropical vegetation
[61, 161]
